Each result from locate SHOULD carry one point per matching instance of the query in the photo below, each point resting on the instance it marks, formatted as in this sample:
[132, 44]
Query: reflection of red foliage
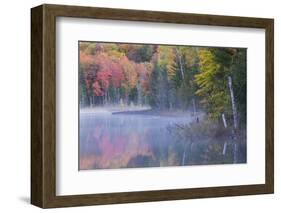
[115, 151]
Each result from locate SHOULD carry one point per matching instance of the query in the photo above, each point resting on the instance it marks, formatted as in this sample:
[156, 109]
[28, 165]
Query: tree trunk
[195, 110]
[233, 103]
[91, 101]
[181, 65]
[184, 155]
[224, 120]
[139, 93]
[225, 126]
[235, 122]
[118, 95]
[127, 99]
[224, 148]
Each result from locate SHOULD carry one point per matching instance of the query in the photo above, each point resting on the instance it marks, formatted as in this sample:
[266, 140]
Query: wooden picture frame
[43, 105]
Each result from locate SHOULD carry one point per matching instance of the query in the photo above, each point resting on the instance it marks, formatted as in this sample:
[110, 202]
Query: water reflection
[130, 141]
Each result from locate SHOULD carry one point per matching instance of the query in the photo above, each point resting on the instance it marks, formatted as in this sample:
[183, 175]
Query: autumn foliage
[162, 76]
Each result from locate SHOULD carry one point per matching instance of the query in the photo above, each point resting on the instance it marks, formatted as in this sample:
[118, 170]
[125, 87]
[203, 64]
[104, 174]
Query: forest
[207, 82]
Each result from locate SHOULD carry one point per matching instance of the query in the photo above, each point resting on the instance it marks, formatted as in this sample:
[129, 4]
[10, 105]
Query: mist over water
[127, 140]
[111, 141]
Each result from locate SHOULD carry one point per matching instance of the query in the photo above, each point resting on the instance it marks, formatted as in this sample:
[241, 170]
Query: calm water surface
[128, 140]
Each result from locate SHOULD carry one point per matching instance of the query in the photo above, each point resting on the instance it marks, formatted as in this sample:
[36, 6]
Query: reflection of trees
[116, 142]
[142, 161]
[203, 143]
[116, 151]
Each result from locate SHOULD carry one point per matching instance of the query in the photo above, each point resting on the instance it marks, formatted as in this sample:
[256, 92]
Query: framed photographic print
[136, 106]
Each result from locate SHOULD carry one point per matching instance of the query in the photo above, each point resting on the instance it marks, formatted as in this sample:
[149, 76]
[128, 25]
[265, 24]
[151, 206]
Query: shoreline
[113, 110]
[146, 111]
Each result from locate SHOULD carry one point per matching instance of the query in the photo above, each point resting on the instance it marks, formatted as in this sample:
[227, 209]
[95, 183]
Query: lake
[147, 138]
[129, 140]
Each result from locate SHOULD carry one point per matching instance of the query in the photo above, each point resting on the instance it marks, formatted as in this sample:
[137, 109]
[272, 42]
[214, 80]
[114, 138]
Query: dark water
[134, 140]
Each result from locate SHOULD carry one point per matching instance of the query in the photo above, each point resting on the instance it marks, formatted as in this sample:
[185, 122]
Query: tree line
[165, 77]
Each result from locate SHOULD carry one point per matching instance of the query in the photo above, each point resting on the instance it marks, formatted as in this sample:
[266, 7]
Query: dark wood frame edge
[43, 105]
